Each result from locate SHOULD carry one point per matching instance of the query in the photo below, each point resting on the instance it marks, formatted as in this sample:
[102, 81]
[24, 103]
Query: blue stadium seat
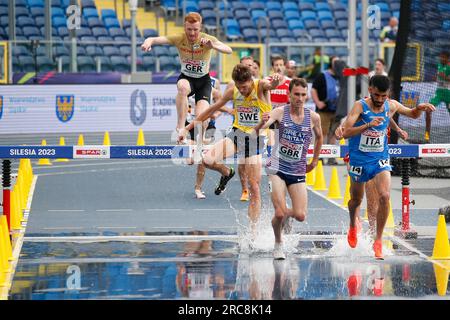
[105, 63]
[342, 24]
[250, 35]
[58, 12]
[90, 13]
[242, 14]
[108, 13]
[281, 32]
[257, 5]
[160, 51]
[111, 51]
[60, 51]
[311, 24]
[45, 64]
[117, 32]
[111, 23]
[122, 39]
[63, 31]
[98, 32]
[330, 33]
[246, 23]
[289, 15]
[290, 6]
[383, 6]
[327, 24]
[239, 5]
[169, 5]
[81, 51]
[21, 3]
[316, 33]
[40, 22]
[444, 6]
[301, 35]
[125, 51]
[88, 4]
[86, 64]
[41, 51]
[225, 14]
[105, 39]
[277, 24]
[3, 35]
[394, 6]
[31, 31]
[16, 66]
[36, 3]
[94, 22]
[22, 12]
[54, 31]
[258, 14]
[446, 25]
[338, 6]
[325, 15]
[322, 6]
[83, 32]
[4, 11]
[27, 63]
[275, 14]
[25, 22]
[209, 17]
[128, 32]
[150, 33]
[167, 63]
[338, 15]
[202, 5]
[120, 64]
[296, 24]
[192, 6]
[173, 51]
[148, 63]
[306, 6]
[20, 50]
[308, 15]
[273, 5]
[59, 22]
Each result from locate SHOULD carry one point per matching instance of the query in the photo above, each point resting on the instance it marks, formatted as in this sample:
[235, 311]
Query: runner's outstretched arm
[150, 41]
[216, 45]
[352, 117]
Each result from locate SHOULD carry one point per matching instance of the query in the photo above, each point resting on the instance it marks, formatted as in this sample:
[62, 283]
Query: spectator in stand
[379, 68]
[325, 92]
[291, 69]
[389, 32]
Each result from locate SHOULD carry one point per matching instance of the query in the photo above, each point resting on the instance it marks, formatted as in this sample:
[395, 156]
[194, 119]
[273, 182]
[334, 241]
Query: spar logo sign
[65, 106]
[327, 151]
[91, 152]
[437, 150]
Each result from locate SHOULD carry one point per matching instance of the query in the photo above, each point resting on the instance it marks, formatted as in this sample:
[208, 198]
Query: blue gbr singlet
[371, 145]
[291, 147]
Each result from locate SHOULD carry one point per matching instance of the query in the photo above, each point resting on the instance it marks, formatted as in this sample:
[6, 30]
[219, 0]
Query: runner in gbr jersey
[251, 100]
[366, 127]
[287, 165]
[194, 48]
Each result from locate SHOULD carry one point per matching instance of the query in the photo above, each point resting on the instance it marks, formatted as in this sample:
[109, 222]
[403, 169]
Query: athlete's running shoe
[352, 237]
[199, 194]
[244, 195]
[223, 182]
[278, 253]
[378, 249]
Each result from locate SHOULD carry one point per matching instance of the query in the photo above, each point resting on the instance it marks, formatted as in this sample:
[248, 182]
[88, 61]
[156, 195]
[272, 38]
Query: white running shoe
[199, 194]
[278, 253]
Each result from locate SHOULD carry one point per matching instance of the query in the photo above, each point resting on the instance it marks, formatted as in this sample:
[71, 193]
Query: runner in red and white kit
[280, 95]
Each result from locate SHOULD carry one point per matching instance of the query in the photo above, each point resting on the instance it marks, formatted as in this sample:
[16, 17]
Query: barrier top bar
[184, 151]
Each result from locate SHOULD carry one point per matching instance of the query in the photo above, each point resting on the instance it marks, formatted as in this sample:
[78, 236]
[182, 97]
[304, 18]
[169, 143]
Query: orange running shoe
[378, 249]
[352, 237]
[244, 196]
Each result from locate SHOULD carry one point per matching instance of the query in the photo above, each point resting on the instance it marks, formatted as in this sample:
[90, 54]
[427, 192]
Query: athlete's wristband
[368, 125]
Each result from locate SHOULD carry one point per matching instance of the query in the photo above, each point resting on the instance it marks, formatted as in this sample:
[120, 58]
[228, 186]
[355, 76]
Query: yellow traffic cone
[23, 195]
[319, 183]
[23, 172]
[311, 176]
[346, 193]
[5, 236]
[441, 249]
[342, 143]
[80, 140]
[14, 211]
[390, 220]
[106, 140]
[441, 273]
[4, 263]
[141, 138]
[334, 191]
[62, 142]
[44, 161]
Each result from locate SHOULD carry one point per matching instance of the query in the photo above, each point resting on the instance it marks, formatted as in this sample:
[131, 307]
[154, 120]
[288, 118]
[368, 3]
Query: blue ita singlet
[291, 147]
[371, 145]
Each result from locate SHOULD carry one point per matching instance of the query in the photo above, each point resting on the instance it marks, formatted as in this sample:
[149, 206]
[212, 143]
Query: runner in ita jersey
[366, 126]
[287, 165]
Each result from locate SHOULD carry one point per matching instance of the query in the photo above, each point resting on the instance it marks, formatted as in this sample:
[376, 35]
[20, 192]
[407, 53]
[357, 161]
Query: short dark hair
[246, 58]
[275, 58]
[241, 73]
[381, 61]
[297, 82]
[257, 62]
[382, 83]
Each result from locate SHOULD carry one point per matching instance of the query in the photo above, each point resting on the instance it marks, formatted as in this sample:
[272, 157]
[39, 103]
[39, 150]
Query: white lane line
[116, 227]
[114, 210]
[212, 209]
[64, 228]
[66, 210]
[163, 209]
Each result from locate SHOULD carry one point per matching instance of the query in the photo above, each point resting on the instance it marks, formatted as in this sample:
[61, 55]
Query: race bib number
[372, 141]
[194, 68]
[248, 117]
[289, 151]
[356, 170]
[384, 163]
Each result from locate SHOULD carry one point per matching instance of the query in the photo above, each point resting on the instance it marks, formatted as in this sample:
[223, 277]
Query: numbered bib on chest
[289, 151]
[193, 68]
[372, 141]
[248, 116]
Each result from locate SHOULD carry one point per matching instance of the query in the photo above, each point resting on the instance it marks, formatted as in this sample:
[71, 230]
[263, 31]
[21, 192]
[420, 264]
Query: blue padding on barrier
[36, 152]
[148, 152]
